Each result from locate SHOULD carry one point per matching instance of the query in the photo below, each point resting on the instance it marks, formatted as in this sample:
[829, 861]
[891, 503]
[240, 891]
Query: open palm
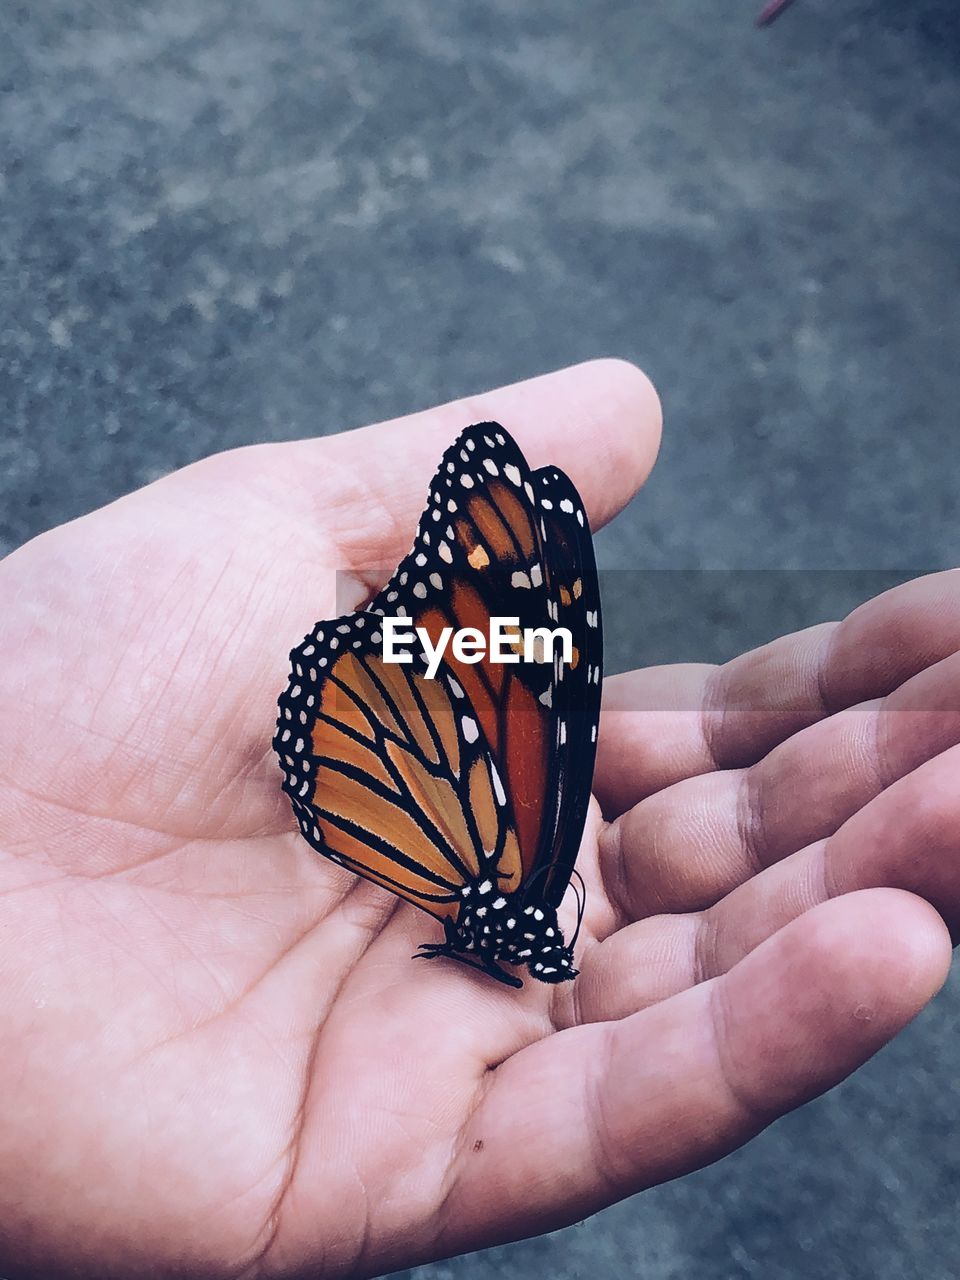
[218, 1054]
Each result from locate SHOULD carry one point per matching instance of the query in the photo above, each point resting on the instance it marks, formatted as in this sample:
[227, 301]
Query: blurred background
[229, 222]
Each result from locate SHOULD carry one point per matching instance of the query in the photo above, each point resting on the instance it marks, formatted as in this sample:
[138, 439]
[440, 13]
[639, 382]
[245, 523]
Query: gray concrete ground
[227, 222]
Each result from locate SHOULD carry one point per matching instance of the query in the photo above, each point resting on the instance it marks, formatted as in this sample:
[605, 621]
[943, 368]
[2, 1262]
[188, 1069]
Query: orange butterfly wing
[425, 786]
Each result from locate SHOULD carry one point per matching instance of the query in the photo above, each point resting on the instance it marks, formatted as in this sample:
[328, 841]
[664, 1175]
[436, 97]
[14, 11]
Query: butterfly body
[462, 784]
[494, 928]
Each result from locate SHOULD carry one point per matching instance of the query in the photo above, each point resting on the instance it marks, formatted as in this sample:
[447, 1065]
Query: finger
[604, 411]
[599, 421]
[651, 733]
[907, 838]
[741, 710]
[736, 713]
[688, 845]
[599, 1112]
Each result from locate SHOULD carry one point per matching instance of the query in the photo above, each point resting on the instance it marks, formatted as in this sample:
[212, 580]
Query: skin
[219, 1057]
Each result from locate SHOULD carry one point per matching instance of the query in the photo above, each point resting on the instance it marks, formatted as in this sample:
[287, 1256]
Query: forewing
[478, 554]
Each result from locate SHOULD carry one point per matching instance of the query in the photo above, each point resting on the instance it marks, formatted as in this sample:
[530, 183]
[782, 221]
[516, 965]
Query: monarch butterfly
[466, 793]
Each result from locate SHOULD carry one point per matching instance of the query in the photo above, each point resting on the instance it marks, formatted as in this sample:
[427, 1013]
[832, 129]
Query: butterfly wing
[574, 603]
[423, 785]
[478, 554]
[386, 771]
[498, 540]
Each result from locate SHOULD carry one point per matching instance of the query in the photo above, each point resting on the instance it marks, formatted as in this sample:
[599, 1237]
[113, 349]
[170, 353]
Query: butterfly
[462, 784]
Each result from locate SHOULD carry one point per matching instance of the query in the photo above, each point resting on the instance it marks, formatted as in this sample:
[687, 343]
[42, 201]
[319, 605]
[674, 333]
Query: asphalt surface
[226, 222]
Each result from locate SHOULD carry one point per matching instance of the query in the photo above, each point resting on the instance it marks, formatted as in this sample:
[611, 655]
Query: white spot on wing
[498, 790]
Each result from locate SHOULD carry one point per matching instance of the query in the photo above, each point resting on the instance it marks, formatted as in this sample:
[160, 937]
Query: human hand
[219, 1056]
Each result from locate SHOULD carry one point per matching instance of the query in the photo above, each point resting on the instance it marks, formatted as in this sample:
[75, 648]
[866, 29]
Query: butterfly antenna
[581, 905]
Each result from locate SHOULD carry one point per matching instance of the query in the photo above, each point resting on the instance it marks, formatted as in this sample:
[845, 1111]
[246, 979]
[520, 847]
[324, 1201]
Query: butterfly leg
[501, 975]
[431, 950]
